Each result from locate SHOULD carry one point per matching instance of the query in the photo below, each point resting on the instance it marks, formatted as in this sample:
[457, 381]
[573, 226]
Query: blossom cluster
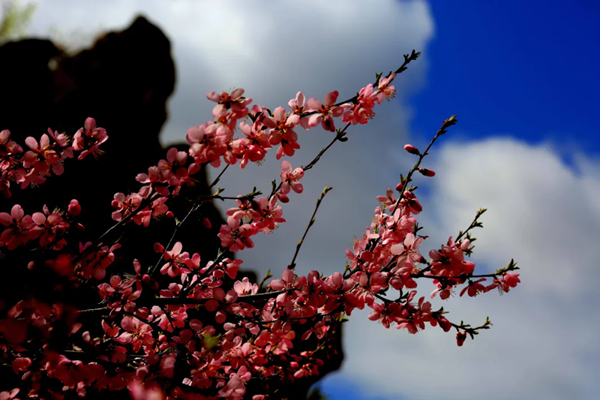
[188, 328]
[46, 156]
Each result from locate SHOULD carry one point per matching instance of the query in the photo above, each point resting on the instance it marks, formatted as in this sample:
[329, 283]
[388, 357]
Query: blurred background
[522, 78]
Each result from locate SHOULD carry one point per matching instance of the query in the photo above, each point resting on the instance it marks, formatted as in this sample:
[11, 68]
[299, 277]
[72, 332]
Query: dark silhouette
[124, 82]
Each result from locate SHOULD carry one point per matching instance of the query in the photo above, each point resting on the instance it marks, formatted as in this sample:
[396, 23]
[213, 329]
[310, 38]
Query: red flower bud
[158, 248]
[426, 172]
[207, 223]
[445, 324]
[412, 149]
[460, 338]
[282, 197]
[74, 208]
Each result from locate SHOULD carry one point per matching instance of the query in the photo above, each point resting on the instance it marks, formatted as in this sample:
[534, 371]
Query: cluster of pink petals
[153, 332]
[262, 215]
[48, 228]
[214, 142]
[291, 179]
[47, 156]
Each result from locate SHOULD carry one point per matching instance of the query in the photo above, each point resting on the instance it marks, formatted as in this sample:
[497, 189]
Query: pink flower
[297, 106]
[233, 103]
[234, 390]
[290, 179]
[8, 146]
[268, 214]
[48, 225]
[286, 281]
[385, 90]
[42, 156]
[244, 287]
[208, 142]
[21, 364]
[236, 236]
[325, 111]
[18, 225]
[408, 250]
[176, 259]
[139, 392]
[89, 138]
[171, 166]
[125, 205]
[388, 200]
[362, 111]
[474, 288]
[137, 333]
[505, 282]
[256, 143]
[10, 395]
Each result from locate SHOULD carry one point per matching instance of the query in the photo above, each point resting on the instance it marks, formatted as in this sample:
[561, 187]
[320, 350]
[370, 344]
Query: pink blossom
[136, 333]
[268, 214]
[10, 395]
[244, 287]
[290, 179]
[89, 138]
[140, 392]
[236, 236]
[18, 225]
[324, 112]
[385, 90]
[297, 106]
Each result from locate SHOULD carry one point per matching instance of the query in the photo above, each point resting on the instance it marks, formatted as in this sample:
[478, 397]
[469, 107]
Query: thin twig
[310, 223]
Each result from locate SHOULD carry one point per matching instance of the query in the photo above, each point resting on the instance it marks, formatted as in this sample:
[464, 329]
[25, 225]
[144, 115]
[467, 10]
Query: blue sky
[523, 68]
[522, 76]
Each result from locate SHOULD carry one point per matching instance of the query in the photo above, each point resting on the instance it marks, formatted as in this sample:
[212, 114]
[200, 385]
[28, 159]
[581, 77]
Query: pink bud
[412, 149]
[445, 324]
[426, 172]
[158, 248]
[74, 208]
[207, 223]
[282, 197]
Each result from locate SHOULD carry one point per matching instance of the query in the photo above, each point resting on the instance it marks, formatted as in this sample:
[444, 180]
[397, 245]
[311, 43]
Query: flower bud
[426, 172]
[460, 338]
[282, 197]
[74, 208]
[411, 149]
[206, 223]
[445, 324]
[158, 248]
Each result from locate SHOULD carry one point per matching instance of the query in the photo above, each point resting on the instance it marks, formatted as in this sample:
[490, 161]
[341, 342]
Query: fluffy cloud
[544, 214]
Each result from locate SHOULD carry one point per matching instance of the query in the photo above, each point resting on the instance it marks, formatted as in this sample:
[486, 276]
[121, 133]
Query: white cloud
[544, 340]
